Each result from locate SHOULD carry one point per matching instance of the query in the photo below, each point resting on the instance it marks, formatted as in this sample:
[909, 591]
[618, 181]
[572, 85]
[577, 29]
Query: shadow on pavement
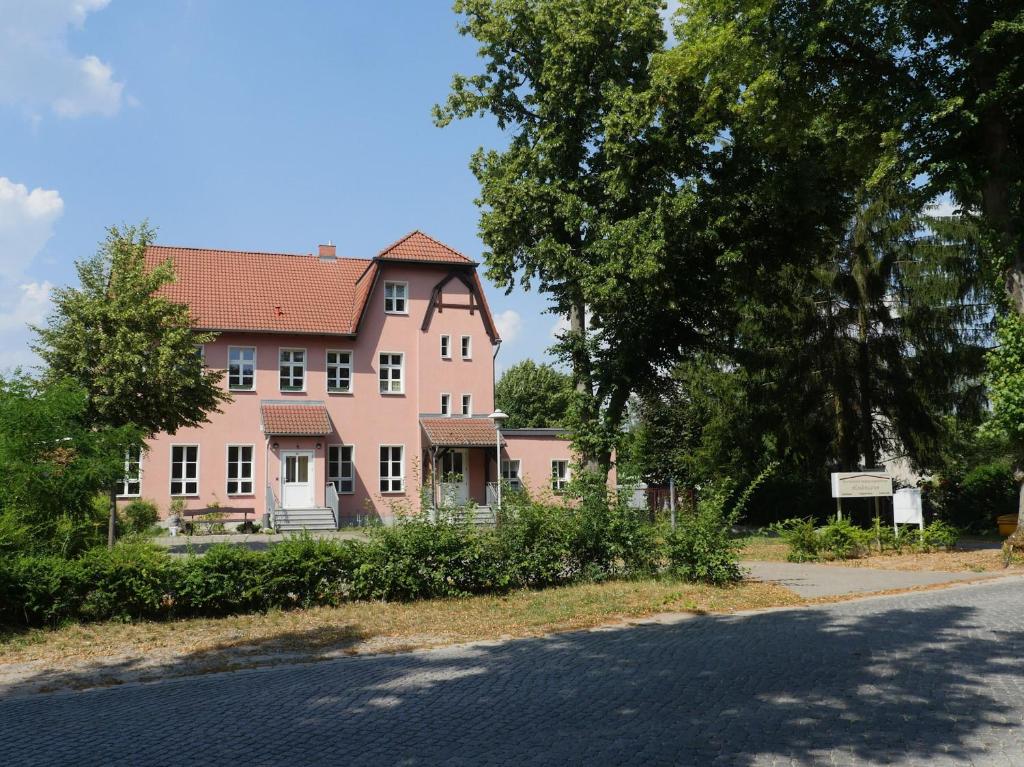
[928, 678]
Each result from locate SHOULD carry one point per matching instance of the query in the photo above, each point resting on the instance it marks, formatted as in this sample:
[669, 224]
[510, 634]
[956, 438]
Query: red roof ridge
[229, 251]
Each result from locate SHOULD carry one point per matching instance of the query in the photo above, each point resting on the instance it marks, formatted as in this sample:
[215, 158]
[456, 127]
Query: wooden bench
[218, 515]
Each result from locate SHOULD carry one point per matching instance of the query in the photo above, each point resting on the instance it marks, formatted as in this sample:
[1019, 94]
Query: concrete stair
[293, 520]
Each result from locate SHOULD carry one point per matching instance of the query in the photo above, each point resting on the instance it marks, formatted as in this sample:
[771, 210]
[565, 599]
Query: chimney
[328, 252]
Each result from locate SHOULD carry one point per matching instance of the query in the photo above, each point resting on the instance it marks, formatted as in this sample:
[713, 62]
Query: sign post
[859, 484]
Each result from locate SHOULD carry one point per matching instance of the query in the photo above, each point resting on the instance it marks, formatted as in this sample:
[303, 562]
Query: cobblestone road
[932, 678]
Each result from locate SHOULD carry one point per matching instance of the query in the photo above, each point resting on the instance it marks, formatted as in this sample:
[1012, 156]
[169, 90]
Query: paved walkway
[198, 544]
[813, 580]
[928, 678]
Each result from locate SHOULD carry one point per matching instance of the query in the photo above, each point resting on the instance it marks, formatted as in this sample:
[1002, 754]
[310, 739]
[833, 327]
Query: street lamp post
[499, 418]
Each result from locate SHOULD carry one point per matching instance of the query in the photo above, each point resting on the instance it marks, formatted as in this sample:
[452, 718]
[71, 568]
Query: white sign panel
[861, 484]
[906, 507]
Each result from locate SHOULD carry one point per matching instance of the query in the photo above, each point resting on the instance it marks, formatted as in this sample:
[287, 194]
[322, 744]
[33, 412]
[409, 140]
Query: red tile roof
[417, 246]
[241, 290]
[295, 419]
[289, 293]
[459, 432]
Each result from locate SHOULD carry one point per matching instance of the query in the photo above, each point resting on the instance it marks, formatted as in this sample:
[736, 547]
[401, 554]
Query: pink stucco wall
[365, 419]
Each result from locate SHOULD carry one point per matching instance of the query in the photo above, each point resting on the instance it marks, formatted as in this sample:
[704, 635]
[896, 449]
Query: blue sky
[265, 126]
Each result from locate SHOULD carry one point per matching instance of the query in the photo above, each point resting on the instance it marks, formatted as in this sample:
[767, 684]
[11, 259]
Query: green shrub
[701, 549]
[801, 537]
[939, 535]
[841, 539]
[303, 571]
[539, 545]
[973, 500]
[139, 515]
[127, 582]
[227, 579]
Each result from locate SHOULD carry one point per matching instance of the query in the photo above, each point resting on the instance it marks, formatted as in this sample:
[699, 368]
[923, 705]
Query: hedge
[534, 547]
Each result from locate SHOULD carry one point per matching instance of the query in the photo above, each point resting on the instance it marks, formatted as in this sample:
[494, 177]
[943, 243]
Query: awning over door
[295, 419]
[459, 432]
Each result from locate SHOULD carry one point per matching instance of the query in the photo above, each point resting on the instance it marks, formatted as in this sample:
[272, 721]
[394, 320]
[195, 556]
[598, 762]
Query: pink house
[361, 389]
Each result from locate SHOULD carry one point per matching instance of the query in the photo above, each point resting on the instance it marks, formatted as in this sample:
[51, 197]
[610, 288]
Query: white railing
[271, 506]
[492, 494]
[331, 495]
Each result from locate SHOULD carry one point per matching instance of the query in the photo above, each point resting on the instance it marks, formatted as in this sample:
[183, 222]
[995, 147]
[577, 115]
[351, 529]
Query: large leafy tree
[591, 191]
[533, 395]
[134, 352]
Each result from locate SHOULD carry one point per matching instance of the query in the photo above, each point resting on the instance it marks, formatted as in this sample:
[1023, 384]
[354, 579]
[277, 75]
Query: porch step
[291, 520]
[478, 515]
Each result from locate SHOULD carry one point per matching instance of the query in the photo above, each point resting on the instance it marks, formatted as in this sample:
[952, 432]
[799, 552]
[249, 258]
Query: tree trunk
[583, 375]
[112, 521]
[867, 424]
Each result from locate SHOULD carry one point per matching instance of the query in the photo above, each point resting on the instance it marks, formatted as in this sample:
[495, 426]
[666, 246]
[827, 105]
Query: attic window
[396, 297]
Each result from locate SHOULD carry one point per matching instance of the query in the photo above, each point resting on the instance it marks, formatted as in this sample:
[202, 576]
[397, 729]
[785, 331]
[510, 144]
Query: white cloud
[26, 223]
[27, 219]
[561, 326]
[38, 69]
[509, 325]
[943, 206]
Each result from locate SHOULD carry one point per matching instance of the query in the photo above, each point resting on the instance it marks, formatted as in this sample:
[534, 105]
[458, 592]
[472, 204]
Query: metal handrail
[271, 505]
[331, 495]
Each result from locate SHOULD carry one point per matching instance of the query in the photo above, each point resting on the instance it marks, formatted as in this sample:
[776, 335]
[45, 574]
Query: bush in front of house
[534, 546]
[139, 515]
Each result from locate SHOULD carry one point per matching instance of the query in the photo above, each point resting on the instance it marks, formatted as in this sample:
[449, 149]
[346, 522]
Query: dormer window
[396, 297]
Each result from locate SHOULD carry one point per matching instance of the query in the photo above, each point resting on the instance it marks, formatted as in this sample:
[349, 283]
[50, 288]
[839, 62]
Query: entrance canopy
[459, 432]
[294, 419]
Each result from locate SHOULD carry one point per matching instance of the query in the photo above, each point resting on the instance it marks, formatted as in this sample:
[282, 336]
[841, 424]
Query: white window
[239, 470]
[446, 347]
[392, 468]
[559, 476]
[396, 295]
[446, 404]
[241, 368]
[510, 474]
[340, 468]
[467, 347]
[339, 371]
[467, 404]
[184, 469]
[391, 373]
[130, 485]
[292, 369]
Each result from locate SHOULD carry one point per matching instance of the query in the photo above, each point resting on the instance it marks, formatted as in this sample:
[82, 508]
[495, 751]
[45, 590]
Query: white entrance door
[297, 479]
[454, 478]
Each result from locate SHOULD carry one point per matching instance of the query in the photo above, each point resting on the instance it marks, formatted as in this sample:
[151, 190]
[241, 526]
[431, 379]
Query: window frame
[350, 366]
[305, 368]
[560, 482]
[446, 346]
[184, 480]
[514, 481]
[341, 477]
[381, 366]
[381, 478]
[467, 405]
[446, 404]
[252, 386]
[404, 299]
[239, 479]
[466, 347]
[127, 479]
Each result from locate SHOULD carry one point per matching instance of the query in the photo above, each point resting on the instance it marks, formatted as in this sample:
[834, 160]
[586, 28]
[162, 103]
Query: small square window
[396, 297]
[446, 404]
[467, 404]
[446, 347]
[510, 473]
[339, 371]
[467, 347]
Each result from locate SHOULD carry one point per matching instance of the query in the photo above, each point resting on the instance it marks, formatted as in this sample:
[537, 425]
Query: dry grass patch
[763, 548]
[978, 561]
[109, 653]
